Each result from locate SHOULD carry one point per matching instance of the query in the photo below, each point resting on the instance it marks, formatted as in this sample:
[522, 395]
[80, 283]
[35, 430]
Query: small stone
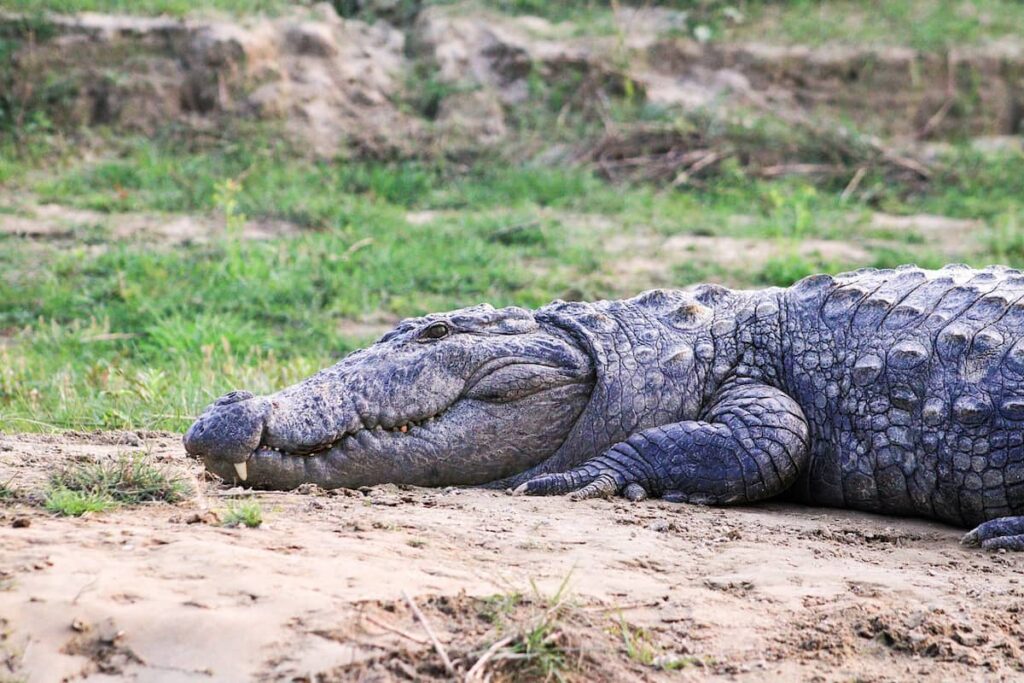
[659, 525]
[21, 523]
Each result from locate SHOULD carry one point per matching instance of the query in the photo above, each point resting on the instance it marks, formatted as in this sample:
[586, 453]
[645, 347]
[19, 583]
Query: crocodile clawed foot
[1003, 533]
[592, 480]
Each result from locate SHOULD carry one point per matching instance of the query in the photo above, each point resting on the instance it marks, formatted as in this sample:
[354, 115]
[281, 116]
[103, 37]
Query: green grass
[8, 492]
[102, 486]
[129, 480]
[246, 513]
[923, 24]
[930, 25]
[69, 503]
[124, 334]
[175, 8]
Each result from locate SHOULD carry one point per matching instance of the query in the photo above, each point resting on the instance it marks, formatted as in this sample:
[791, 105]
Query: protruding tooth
[242, 470]
[403, 428]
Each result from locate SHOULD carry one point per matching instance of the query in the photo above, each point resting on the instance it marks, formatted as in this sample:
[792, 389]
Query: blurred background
[200, 196]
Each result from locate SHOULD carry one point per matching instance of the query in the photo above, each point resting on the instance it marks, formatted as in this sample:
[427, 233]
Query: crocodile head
[466, 397]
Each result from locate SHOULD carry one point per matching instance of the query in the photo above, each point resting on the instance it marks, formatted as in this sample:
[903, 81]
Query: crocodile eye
[436, 331]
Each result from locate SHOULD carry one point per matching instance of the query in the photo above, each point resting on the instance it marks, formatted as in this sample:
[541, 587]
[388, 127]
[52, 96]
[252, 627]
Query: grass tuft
[69, 503]
[246, 513]
[129, 480]
[98, 487]
[8, 492]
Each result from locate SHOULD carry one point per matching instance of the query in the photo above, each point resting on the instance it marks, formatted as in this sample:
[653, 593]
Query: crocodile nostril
[230, 430]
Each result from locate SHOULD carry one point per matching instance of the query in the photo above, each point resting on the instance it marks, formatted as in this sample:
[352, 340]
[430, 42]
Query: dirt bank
[451, 78]
[163, 593]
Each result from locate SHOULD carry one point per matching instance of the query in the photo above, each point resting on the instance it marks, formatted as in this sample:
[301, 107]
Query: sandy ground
[775, 592]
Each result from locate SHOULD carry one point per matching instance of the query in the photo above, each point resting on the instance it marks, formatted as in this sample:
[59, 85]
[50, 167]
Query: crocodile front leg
[751, 444]
[1002, 533]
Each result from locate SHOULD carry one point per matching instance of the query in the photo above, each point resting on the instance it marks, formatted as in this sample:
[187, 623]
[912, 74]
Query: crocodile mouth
[367, 431]
[505, 416]
[351, 438]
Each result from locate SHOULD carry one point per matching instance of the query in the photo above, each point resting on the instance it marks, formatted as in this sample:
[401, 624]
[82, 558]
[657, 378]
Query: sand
[163, 592]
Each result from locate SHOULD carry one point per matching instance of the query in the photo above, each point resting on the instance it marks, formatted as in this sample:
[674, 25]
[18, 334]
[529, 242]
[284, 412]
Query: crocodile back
[913, 383]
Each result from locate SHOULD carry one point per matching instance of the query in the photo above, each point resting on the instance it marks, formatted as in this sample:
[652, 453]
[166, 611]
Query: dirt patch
[331, 83]
[347, 87]
[946, 235]
[56, 223]
[318, 592]
[649, 259]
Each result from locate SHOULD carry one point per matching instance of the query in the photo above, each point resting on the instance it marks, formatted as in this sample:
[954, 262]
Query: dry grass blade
[430, 632]
[476, 672]
[394, 629]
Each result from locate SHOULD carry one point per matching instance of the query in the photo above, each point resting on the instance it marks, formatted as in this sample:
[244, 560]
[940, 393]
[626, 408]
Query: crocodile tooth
[242, 470]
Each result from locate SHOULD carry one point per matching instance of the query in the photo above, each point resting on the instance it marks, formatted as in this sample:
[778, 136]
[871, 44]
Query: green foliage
[26, 102]
[149, 7]
[246, 513]
[8, 492]
[785, 270]
[104, 333]
[638, 643]
[1006, 238]
[129, 480]
[68, 503]
[932, 25]
[923, 24]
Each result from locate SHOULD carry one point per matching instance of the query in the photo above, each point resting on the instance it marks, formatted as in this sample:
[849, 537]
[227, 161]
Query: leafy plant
[246, 513]
[96, 487]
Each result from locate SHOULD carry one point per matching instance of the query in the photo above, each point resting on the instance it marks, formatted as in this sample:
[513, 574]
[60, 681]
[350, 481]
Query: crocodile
[897, 391]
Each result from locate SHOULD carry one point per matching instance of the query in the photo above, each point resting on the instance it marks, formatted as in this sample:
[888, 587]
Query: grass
[106, 333]
[8, 492]
[931, 25]
[175, 8]
[538, 640]
[69, 503]
[247, 513]
[102, 486]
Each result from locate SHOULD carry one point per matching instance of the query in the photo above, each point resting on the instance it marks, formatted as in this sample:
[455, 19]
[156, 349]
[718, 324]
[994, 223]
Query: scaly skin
[897, 392]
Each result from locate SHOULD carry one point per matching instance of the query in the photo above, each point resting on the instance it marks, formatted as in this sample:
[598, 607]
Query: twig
[800, 169]
[476, 671]
[706, 161]
[798, 119]
[430, 632]
[854, 183]
[108, 336]
[618, 608]
[356, 246]
[83, 590]
[933, 122]
[686, 176]
[394, 629]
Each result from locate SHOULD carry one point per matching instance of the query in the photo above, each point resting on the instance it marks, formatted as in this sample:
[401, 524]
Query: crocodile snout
[229, 430]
